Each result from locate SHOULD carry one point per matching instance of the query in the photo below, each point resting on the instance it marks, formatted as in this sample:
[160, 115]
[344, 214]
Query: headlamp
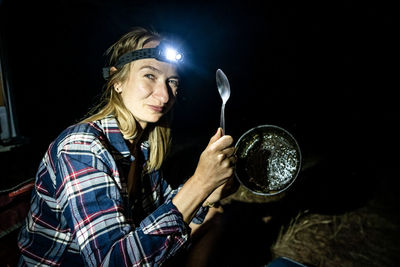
[162, 52]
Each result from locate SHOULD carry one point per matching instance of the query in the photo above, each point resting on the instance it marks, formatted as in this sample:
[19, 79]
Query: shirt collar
[110, 127]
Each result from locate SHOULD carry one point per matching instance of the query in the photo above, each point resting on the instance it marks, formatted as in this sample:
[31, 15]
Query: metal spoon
[224, 90]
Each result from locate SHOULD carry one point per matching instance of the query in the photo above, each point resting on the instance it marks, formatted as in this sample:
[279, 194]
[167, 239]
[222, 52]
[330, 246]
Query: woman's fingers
[222, 143]
[232, 160]
[228, 152]
[218, 143]
[217, 160]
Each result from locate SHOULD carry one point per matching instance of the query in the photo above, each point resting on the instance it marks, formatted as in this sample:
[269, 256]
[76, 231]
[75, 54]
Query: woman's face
[150, 90]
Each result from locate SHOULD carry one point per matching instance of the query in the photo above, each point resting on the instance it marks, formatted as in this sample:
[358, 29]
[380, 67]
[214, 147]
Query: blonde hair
[111, 102]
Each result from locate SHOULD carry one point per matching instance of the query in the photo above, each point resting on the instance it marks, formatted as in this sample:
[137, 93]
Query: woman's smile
[158, 109]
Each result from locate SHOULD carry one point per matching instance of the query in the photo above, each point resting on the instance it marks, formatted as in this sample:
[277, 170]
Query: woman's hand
[214, 169]
[216, 162]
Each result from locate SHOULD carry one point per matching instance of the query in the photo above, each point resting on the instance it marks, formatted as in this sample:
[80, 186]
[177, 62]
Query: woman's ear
[117, 88]
[117, 85]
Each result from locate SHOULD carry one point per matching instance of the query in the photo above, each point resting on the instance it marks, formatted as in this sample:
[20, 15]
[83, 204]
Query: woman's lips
[156, 108]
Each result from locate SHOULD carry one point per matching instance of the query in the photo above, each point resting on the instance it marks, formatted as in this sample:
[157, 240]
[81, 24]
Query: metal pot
[268, 160]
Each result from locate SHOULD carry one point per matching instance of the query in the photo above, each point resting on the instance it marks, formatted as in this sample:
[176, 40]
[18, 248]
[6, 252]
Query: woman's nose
[161, 92]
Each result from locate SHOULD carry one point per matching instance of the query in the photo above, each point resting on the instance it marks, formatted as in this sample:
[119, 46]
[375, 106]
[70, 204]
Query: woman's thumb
[216, 136]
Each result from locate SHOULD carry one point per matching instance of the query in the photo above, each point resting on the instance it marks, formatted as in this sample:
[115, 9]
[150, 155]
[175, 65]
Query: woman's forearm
[190, 197]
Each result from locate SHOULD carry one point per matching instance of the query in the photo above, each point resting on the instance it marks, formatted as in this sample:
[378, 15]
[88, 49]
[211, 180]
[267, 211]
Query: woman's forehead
[155, 65]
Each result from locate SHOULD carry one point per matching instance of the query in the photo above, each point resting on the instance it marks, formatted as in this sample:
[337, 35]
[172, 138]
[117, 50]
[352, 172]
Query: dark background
[323, 70]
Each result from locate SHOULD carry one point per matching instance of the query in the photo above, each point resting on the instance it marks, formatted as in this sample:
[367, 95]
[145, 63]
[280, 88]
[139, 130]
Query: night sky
[323, 70]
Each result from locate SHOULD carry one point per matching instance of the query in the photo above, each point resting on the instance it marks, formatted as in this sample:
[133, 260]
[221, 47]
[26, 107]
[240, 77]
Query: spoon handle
[222, 123]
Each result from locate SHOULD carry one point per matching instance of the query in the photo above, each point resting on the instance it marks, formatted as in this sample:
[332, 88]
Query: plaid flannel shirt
[80, 211]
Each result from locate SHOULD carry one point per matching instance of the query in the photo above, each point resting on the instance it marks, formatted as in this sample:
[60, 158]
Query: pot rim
[297, 147]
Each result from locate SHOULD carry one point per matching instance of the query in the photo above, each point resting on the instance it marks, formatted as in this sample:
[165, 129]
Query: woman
[100, 197]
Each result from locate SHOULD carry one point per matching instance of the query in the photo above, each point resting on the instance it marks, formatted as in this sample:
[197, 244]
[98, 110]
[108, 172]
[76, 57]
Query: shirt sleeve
[88, 194]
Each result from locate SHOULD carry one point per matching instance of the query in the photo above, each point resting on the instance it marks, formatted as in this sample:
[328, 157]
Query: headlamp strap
[156, 52]
[131, 56]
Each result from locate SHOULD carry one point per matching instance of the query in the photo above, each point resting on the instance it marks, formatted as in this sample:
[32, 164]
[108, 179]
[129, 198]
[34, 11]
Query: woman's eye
[174, 83]
[150, 76]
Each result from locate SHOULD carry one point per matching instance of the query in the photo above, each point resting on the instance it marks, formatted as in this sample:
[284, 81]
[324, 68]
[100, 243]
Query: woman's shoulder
[80, 133]
[82, 129]
[99, 135]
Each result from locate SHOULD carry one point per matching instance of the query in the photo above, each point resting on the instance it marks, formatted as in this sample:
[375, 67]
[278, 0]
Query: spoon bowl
[225, 92]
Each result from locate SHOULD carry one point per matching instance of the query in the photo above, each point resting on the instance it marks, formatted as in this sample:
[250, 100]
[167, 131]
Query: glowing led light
[178, 56]
[171, 54]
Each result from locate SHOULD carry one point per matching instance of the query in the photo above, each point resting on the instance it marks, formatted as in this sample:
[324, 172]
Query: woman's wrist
[190, 198]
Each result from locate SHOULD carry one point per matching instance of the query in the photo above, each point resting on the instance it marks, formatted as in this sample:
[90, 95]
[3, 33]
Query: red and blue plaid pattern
[80, 211]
